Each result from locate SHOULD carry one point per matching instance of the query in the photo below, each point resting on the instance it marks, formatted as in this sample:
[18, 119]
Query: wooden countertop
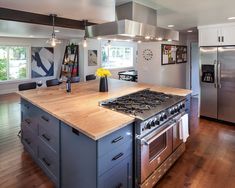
[80, 108]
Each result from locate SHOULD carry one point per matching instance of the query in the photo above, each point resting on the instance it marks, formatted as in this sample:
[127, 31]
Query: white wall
[93, 44]
[12, 86]
[154, 73]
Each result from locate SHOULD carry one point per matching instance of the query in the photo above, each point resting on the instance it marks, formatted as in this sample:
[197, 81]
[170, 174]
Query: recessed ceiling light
[115, 39]
[57, 31]
[99, 38]
[190, 31]
[160, 39]
[169, 40]
[128, 40]
[147, 37]
[231, 18]
[171, 26]
[139, 41]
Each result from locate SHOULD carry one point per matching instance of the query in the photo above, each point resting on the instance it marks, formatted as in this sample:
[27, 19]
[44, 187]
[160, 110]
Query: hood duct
[134, 22]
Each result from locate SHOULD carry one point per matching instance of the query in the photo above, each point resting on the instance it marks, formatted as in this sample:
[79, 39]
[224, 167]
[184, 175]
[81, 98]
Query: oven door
[177, 132]
[155, 148]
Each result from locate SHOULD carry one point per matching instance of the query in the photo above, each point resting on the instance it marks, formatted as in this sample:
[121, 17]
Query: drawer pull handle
[27, 141]
[75, 131]
[45, 119]
[28, 121]
[117, 139]
[46, 162]
[46, 137]
[26, 106]
[117, 156]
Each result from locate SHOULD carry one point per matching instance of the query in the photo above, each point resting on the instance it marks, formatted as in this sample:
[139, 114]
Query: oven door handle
[148, 142]
[178, 117]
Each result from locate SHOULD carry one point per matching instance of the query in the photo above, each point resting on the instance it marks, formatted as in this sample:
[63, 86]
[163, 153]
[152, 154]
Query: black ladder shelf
[70, 63]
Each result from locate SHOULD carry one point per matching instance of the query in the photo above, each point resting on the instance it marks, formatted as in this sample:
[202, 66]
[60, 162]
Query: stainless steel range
[158, 131]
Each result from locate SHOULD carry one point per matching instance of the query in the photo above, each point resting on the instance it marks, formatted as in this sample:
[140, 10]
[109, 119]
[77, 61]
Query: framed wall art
[173, 54]
[92, 58]
[168, 54]
[181, 54]
[42, 62]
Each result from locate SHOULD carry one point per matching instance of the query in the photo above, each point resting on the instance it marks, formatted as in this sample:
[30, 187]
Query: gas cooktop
[142, 104]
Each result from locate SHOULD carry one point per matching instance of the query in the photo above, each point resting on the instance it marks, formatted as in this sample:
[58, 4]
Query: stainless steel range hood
[134, 22]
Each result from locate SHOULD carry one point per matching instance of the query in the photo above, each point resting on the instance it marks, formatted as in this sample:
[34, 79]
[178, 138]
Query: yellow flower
[101, 72]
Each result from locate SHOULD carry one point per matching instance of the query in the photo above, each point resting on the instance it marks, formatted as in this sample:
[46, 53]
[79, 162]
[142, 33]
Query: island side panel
[96, 164]
[78, 159]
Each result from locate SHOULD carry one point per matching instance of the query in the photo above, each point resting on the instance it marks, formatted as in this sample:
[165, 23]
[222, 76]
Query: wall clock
[147, 54]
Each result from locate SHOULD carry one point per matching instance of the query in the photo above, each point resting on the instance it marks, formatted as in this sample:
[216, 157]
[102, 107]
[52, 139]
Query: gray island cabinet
[73, 160]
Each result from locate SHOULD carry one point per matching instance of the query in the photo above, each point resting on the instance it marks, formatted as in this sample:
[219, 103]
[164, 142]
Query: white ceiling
[185, 14]
[26, 30]
[97, 11]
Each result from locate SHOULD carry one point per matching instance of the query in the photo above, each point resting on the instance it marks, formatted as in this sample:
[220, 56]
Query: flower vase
[104, 84]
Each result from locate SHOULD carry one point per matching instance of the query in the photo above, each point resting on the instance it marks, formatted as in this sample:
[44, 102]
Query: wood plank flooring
[17, 169]
[209, 161]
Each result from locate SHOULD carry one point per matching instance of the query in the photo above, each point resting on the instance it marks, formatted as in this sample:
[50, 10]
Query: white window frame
[28, 65]
[120, 44]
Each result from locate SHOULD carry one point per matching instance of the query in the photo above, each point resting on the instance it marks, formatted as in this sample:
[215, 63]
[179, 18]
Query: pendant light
[53, 40]
[84, 39]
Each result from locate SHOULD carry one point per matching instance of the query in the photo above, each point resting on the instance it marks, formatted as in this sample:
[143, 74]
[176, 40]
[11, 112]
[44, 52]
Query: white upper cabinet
[217, 35]
[208, 37]
[228, 34]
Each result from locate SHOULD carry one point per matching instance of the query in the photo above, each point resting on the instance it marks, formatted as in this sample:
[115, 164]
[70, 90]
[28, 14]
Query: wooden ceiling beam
[28, 17]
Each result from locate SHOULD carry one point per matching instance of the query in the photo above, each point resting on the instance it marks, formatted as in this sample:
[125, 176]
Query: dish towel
[184, 134]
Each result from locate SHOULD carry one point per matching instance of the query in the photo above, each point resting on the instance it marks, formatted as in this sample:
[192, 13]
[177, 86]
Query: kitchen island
[75, 141]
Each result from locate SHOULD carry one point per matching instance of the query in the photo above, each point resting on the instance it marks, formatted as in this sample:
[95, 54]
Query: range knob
[161, 118]
[176, 109]
[152, 123]
[183, 105]
[157, 122]
[148, 126]
[165, 116]
[171, 111]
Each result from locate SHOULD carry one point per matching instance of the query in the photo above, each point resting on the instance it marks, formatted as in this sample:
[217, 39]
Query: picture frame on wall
[42, 62]
[92, 58]
[168, 54]
[173, 54]
[181, 54]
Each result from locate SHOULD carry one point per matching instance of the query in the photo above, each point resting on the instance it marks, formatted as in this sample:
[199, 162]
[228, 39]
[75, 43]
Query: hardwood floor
[209, 161]
[17, 169]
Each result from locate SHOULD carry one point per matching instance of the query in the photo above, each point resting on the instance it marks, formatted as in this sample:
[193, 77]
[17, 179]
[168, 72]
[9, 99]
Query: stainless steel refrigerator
[217, 75]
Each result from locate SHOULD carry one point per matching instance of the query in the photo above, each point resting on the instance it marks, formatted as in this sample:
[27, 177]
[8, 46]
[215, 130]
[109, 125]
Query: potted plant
[72, 48]
[103, 74]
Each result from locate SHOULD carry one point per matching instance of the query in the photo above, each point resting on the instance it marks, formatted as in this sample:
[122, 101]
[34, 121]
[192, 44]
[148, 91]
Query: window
[13, 62]
[117, 57]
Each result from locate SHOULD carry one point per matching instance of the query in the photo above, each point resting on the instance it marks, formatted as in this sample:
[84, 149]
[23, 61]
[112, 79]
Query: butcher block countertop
[80, 109]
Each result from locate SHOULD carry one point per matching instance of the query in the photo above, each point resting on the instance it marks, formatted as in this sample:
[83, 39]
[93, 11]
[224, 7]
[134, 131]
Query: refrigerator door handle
[216, 74]
[219, 74]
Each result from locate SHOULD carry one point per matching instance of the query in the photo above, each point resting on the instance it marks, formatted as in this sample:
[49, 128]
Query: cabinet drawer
[49, 123]
[110, 142]
[29, 139]
[114, 157]
[49, 161]
[28, 115]
[48, 136]
[119, 176]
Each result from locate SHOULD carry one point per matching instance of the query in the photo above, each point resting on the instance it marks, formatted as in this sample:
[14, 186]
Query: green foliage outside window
[13, 62]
